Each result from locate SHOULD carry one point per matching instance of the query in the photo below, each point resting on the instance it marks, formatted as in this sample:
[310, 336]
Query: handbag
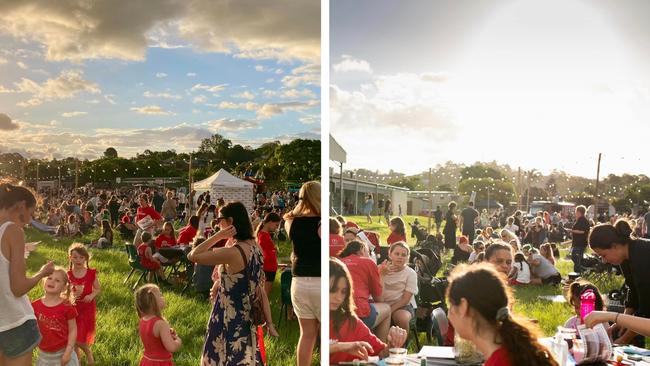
[257, 312]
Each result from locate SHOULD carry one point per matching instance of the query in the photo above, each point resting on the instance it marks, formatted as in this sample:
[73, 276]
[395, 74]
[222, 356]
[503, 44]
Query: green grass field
[117, 340]
[548, 314]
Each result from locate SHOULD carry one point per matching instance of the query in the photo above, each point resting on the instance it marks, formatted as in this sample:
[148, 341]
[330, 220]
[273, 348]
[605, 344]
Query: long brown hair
[400, 227]
[487, 293]
[578, 287]
[345, 312]
[270, 217]
[145, 301]
[11, 194]
[80, 249]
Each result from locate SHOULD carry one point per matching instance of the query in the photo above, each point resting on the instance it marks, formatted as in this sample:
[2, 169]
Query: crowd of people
[372, 297]
[235, 244]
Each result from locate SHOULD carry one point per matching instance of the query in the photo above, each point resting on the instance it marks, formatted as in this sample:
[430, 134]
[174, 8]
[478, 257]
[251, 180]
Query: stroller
[431, 292]
[597, 270]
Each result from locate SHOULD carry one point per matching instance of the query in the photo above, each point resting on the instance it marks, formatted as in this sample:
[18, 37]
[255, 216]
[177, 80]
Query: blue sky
[139, 78]
[536, 84]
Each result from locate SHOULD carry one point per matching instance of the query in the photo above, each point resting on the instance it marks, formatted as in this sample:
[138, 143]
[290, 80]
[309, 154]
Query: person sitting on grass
[350, 338]
[397, 230]
[520, 274]
[500, 256]
[148, 260]
[547, 252]
[400, 285]
[106, 239]
[72, 227]
[366, 282]
[479, 247]
[576, 289]
[544, 273]
[337, 241]
[479, 302]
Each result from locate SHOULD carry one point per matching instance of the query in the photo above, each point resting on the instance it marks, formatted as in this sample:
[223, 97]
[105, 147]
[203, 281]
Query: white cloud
[250, 106]
[3, 89]
[200, 99]
[225, 124]
[68, 84]
[307, 74]
[151, 110]
[110, 98]
[349, 63]
[22, 65]
[73, 114]
[161, 75]
[295, 93]
[80, 30]
[245, 95]
[310, 119]
[270, 80]
[94, 101]
[211, 88]
[191, 74]
[33, 102]
[148, 94]
[279, 71]
[260, 68]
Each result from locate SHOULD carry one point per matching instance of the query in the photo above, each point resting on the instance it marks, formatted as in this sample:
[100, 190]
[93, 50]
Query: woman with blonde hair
[303, 226]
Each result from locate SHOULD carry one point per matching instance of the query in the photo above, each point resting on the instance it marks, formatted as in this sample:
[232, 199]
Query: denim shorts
[20, 340]
[408, 307]
[370, 320]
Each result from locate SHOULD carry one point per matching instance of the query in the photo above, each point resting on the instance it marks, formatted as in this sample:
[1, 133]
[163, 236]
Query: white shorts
[305, 297]
[54, 358]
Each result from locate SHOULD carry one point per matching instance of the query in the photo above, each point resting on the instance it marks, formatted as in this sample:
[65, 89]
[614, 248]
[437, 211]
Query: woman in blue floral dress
[231, 338]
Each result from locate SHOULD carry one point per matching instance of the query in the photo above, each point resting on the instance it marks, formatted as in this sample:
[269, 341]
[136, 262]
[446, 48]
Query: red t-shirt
[126, 219]
[146, 262]
[268, 250]
[186, 235]
[53, 324]
[365, 281]
[337, 243]
[395, 237]
[353, 331]
[165, 241]
[147, 211]
[498, 358]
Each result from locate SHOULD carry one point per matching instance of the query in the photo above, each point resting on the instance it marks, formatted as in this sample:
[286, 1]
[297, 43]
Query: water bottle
[587, 303]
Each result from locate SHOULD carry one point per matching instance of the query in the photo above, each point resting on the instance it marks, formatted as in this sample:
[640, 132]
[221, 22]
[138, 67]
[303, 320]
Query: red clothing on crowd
[147, 211]
[268, 251]
[337, 243]
[353, 331]
[186, 235]
[395, 237]
[498, 358]
[365, 281]
[165, 241]
[126, 219]
[53, 324]
[155, 353]
[87, 311]
[146, 262]
[351, 224]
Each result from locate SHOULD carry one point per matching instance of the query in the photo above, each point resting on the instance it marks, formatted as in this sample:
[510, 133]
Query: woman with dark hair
[350, 338]
[19, 333]
[479, 299]
[267, 226]
[240, 283]
[616, 245]
[450, 226]
[397, 230]
[500, 256]
[366, 282]
[186, 235]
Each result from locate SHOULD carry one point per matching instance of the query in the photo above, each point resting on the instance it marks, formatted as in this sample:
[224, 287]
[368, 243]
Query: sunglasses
[220, 218]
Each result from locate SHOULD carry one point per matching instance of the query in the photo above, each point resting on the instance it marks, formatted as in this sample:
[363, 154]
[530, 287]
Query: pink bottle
[587, 303]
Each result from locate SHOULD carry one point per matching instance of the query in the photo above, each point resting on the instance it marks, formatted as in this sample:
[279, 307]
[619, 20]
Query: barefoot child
[85, 287]
[56, 318]
[159, 340]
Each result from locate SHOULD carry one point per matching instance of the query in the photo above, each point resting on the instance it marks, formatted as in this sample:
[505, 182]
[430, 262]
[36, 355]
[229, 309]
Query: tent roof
[221, 178]
[336, 151]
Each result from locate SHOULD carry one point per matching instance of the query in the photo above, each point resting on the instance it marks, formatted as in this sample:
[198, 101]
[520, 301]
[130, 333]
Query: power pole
[189, 178]
[597, 176]
[76, 174]
[37, 166]
[430, 201]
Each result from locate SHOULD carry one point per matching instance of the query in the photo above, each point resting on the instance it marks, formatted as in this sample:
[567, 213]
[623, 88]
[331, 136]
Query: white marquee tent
[225, 185]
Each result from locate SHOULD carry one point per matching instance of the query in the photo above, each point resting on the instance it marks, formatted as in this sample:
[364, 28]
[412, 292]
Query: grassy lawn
[117, 340]
[548, 314]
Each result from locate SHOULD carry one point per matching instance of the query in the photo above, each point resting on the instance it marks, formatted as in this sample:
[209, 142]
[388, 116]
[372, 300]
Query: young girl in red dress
[479, 301]
[158, 338]
[85, 288]
[56, 317]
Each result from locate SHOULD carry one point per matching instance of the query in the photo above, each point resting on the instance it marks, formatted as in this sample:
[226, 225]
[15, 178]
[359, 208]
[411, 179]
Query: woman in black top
[450, 226]
[616, 245]
[303, 226]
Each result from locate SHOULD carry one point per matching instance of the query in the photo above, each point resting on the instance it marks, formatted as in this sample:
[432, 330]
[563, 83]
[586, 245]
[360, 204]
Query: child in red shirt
[397, 230]
[85, 287]
[158, 338]
[350, 338]
[269, 225]
[167, 238]
[56, 321]
[337, 241]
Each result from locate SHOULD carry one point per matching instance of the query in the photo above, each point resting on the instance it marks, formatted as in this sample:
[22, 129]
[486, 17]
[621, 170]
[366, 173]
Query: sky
[77, 77]
[533, 84]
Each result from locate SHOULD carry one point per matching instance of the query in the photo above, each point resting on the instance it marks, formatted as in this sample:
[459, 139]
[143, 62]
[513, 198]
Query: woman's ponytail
[521, 342]
[624, 231]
